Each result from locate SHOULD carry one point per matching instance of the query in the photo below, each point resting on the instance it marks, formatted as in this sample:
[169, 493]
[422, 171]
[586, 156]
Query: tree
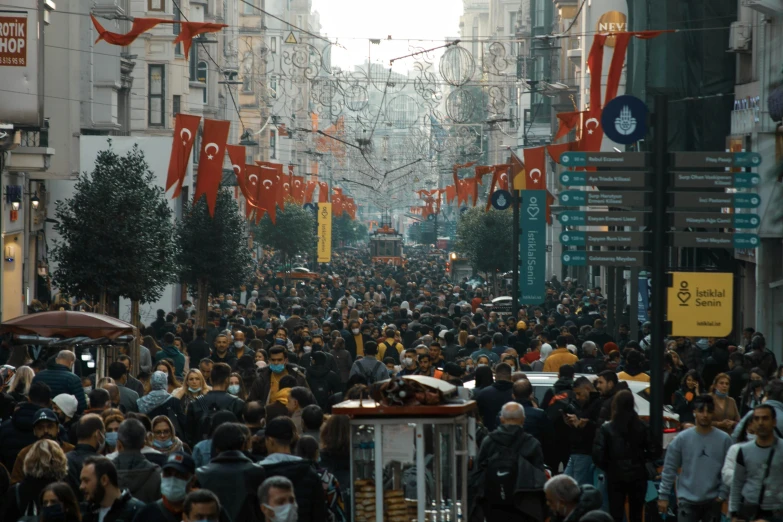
[346, 231]
[294, 232]
[116, 233]
[214, 256]
[485, 238]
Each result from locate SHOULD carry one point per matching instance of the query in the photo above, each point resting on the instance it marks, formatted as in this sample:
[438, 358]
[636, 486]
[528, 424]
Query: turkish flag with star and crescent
[298, 189]
[252, 179]
[267, 191]
[185, 129]
[236, 154]
[535, 168]
[210, 163]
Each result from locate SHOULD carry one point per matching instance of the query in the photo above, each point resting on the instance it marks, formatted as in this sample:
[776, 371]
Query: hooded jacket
[623, 455]
[308, 490]
[742, 425]
[171, 352]
[606, 402]
[138, 475]
[17, 432]
[234, 479]
[323, 383]
[558, 358]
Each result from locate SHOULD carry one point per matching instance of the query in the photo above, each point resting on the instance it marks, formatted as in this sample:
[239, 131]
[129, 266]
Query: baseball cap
[45, 414]
[181, 462]
[67, 403]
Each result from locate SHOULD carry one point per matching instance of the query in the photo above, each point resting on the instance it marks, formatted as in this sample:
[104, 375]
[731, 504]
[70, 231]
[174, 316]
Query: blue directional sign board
[501, 199]
[532, 245]
[624, 119]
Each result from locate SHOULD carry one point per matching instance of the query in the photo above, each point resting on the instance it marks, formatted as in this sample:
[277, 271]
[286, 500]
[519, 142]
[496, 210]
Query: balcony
[33, 153]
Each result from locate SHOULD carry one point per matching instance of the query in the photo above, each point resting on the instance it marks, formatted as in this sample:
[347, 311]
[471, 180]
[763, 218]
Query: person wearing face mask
[45, 426]
[165, 439]
[278, 502]
[91, 441]
[239, 347]
[106, 502]
[268, 381]
[61, 379]
[409, 363]
[236, 386]
[64, 406]
[176, 479]
[59, 504]
[217, 399]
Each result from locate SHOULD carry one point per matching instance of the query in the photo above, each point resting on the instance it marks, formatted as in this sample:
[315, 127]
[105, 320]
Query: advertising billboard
[21, 45]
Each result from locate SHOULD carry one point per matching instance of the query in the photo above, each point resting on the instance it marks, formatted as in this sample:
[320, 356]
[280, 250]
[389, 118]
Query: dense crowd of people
[233, 421]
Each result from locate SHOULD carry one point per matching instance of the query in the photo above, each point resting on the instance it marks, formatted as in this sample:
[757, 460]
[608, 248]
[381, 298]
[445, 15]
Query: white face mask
[408, 362]
[261, 364]
[239, 344]
[355, 331]
[307, 349]
[284, 513]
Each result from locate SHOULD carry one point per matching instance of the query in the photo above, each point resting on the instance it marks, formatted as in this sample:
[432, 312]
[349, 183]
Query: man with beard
[608, 385]
[105, 501]
[45, 426]
[699, 453]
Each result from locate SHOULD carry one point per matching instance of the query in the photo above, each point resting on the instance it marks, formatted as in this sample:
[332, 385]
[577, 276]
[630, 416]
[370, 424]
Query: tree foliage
[485, 238]
[294, 232]
[116, 232]
[214, 253]
[347, 231]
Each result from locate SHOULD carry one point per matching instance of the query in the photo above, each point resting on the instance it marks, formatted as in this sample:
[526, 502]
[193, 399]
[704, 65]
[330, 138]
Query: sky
[352, 22]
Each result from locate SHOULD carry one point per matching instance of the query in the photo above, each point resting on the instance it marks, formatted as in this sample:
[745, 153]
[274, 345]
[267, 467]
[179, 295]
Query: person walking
[61, 379]
[699, 452]
[560, 356]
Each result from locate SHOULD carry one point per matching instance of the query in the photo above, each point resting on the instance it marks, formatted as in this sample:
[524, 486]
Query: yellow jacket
[641, 377]
[558, 358]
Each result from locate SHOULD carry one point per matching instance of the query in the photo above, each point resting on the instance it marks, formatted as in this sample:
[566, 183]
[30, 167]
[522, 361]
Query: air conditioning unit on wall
[740, 37]
[768, 7]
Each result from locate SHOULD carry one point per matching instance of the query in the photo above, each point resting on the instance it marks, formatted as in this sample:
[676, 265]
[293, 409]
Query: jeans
[635, 491]
[709, 511]
[580, 468]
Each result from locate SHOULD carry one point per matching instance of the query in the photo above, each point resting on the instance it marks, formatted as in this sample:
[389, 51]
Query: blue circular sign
[501, 199]
[431, 217]
[624, 120]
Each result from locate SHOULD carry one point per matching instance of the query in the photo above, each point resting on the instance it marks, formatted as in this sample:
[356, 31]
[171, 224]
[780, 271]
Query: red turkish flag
[236, 155]
[283, 187]
[298, 189]
[595, 62]
[188, 30]
[185, 129]
[555, 151]
[252, 180]
[451, 193]
[568, 121]
[337, 205]
[267, 192]
[350, 208]
[140, 25]
[499, 182]
[323, 192]
[309, 191]
[592, 132]
[210, 163]
[535, 168]
[483, 170]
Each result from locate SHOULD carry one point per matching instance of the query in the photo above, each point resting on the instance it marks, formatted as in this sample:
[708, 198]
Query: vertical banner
[644, 298]
[532, 247]
[324, 232]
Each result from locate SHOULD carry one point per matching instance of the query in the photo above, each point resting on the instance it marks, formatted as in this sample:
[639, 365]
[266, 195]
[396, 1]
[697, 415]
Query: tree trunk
[135, 320]
[202, 300]
[102, 302]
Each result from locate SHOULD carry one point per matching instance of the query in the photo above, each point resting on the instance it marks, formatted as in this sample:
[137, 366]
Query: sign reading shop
[13, 38]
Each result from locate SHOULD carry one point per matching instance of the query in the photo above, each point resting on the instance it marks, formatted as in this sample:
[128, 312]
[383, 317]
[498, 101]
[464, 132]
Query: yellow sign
[324, 232]
[612, 22]
[701, 304]
[291, 39]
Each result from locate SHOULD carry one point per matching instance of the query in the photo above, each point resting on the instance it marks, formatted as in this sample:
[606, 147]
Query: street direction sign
[578, 198]
[714, 240]
[604, 179]
[624, 119]
[700, 304]
[620, 219]
[716, 200]
[716, 159]
[715, 180]
[615, 239]
[616, 258]
[714, 220]
[604, 159]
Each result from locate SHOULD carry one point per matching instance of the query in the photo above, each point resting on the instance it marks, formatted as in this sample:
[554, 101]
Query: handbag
[747, 510]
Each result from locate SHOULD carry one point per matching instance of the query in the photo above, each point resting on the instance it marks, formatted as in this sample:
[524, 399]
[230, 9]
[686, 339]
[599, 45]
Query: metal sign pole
[515, 201]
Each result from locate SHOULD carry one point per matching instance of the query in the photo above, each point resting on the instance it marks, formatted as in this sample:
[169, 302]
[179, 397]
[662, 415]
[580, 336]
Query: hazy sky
[353, 22]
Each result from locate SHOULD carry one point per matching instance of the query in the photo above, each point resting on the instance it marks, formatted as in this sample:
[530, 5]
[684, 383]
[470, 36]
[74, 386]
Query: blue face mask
[173, 488]
[280, 342]
[111, 438]
[277, 368]
[233, 389]
[163, 444]
[720, 394]
[194, 390]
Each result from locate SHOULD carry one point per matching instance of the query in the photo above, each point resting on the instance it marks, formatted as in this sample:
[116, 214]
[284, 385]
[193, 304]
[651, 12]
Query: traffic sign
[574, 218]
[714, 240]
[624, 119]
[714, 220]
[501, 199]
[716, 200]
[604, 159]
[615, 239]
[700, 304]
[604, 179]
[716, 159]
[578, 198]
[616, 258]
[715, 180]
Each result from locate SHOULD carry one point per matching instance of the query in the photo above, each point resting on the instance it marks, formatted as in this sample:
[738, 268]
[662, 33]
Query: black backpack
[502, 475]
[391, 351]
[371, 375]
[207, 417]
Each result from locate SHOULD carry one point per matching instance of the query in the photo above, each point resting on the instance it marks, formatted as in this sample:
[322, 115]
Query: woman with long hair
[753, 394]
[149, 342]
[59, 504]
[168, 368]
[45, 463]
[335, 445]
[622, 449]
[194, 387]
[20, 383]
[165, 438]
[484, 378]
[236, 386]
[690, 388]
[726, 412]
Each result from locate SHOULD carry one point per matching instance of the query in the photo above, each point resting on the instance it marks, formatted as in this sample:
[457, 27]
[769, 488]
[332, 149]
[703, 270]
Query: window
[540, 11]
[176, 28]
[193, 63]
[512, 22]
[249, 7]
[512, 115]
[156, 5]
[272, 144]
[273, 44]
[157, 95]
[474, 43]
[273, 86]
[176, 104]
[201, 76]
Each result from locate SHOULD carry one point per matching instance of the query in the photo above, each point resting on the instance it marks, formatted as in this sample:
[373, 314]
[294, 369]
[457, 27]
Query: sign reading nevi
[324, 232]
[624, 119]
[532, 245]
[701, 304]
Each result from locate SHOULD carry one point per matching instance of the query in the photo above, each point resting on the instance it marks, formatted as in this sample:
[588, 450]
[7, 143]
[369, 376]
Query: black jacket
[259, 391]
[323, 383]
[490, 401]
[17, 433]
[350, 343]
[739, 379]
[591, 365]
[234, 479]
[172, 409]
[135, 385]
[198, 408]
[606, 402]
[124, 509]
[138, 475]
[590, 499]
[623, 455]
[198, 349]
[582, 438]
[61, 380]
[537, 423]
[29, 494]
[308, 489]
[76, 460]
[600, 337]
